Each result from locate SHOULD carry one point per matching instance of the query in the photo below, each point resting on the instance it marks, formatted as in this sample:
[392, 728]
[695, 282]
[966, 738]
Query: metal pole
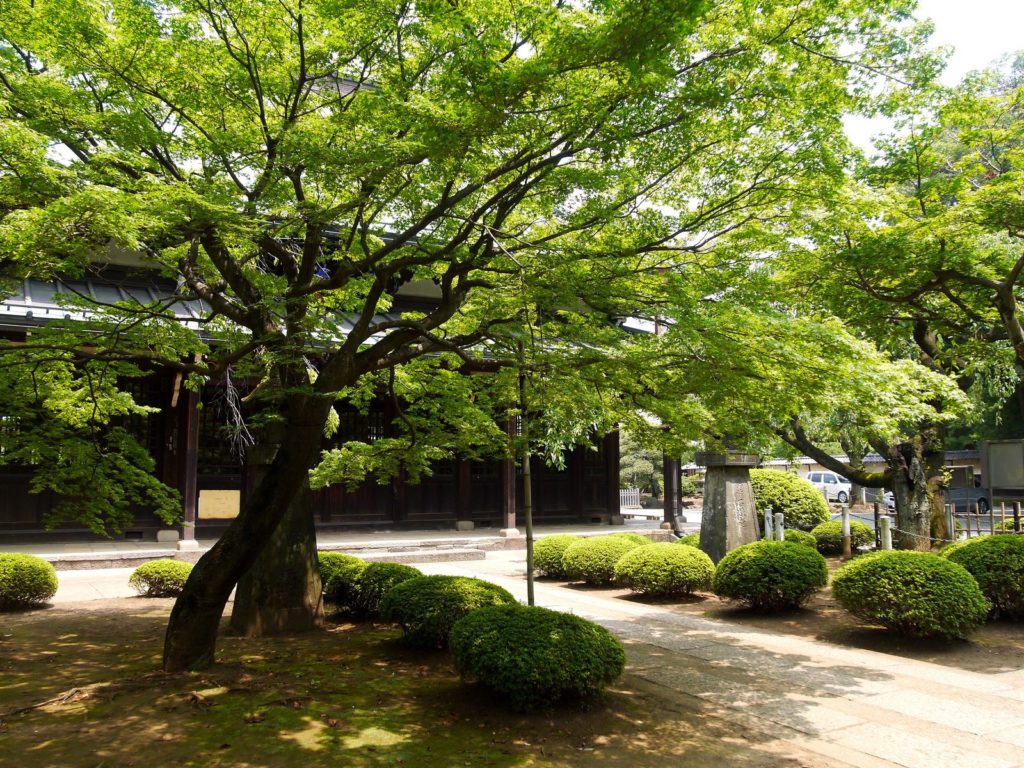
[1016, 517]
[991, 519]
[886, 533]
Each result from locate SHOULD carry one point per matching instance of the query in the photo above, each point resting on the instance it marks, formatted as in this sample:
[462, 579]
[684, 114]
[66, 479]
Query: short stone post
[878, 525]
[780, 526]
[886, 532]
[769, 532]
[847, 542]
[991, 519]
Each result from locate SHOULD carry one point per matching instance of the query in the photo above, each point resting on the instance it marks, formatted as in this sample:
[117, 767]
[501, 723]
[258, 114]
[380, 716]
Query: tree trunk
[917, 490]
[191, 638]
[281, 594]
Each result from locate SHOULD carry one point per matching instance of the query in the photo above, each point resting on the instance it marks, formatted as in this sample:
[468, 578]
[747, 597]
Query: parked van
[835, 487]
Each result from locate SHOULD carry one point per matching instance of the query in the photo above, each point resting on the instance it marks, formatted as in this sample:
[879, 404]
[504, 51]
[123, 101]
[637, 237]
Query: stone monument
[729, 517]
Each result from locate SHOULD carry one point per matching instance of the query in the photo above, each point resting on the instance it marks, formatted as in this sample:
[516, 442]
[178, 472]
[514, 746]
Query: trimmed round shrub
[801, 537]
[830, 536]
[593, 560]
[912, 593]
[689, 540]
[25, 581]
[376, 580]
[339, 577]
[664, 570]
[776, 491]
[636, 538]
[160, 578]
[997, 564]
[427, 607]
[533, 656]
[548, 552]
[770, 575]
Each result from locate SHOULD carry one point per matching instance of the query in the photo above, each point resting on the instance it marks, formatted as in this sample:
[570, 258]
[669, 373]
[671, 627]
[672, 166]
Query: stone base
[167, 535]
[667, 527]
[616, 520]
[188, 545]
[509, 533]
[464, 525]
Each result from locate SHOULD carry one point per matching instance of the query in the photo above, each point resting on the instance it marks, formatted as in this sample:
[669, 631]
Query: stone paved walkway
[824, 704]
[807, 701]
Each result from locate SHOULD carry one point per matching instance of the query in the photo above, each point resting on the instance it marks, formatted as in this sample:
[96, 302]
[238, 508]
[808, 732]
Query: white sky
[980, 31]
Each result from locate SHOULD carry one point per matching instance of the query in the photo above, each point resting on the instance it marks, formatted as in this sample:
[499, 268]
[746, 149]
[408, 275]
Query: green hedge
[593, 560]
[376, 580]
[997, 564]
[25, 581]
[912, 593]
[770, 575]
[548, 553]
[533, 656]
[801, 537]
[830, 536]
[427, 607]
[664, 570]
[803, 505]
[689, 540]
[339, 577]
[160, 578]
[637, 538]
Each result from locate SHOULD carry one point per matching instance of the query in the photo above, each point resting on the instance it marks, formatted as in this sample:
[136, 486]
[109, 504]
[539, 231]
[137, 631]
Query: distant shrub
[912, 593]
[376, 580]
[25, 581]
[664, 570]
[427, 607]
[593, 559]
[770, 575]
[830, 536]
[688, 486]
[339, 577]
[533, 656]
[160, 578]
[997, 564]
[548, 553]
[801, 537]
[689, 540]
[636, 538]
[775, 491]
[1005, 526]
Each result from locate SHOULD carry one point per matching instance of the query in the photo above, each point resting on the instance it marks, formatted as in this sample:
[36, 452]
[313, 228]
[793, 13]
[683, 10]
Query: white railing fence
[629, 498]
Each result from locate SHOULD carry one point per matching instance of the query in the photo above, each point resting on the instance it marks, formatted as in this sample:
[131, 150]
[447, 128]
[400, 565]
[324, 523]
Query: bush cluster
[533, 656]
[664, 570]
[912, 593]
[427, 607]
[548, 553]
[775, 491]
[160, 578]
[770, 575]
[339, 578]
[801, 537]
[25, 581]
[376, 580]
[593, 560]
[997, 564]
[830, 536]
[637, 538]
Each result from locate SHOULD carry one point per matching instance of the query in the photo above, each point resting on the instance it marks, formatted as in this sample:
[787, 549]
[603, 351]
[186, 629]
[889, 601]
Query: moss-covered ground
[80, 686]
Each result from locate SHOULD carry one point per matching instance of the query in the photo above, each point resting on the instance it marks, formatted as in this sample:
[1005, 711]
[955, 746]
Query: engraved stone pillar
[730, 517]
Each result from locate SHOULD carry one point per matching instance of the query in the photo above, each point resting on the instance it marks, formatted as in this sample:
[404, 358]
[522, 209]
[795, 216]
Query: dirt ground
[80, 686]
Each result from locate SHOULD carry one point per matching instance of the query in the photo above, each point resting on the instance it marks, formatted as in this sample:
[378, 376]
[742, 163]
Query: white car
[835, 487]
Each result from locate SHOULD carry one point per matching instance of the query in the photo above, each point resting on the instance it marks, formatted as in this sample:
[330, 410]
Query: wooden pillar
[508, 488]
[670, 488]
[189, 464]
[577, 483]
[611, 457]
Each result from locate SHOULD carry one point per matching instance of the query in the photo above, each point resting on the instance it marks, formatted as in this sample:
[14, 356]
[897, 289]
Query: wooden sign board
[219, 505]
